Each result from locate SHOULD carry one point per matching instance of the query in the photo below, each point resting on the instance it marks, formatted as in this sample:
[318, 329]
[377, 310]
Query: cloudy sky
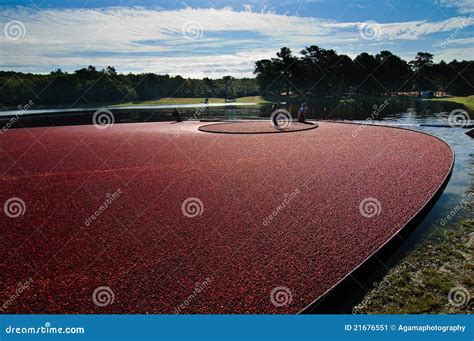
[225, 37]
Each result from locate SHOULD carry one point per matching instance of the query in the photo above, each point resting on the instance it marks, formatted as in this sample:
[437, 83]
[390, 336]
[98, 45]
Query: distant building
[427, 94]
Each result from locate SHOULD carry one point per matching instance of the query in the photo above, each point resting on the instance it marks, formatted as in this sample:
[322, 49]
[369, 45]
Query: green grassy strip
[422, 281]
[468, 102]
[198, 100]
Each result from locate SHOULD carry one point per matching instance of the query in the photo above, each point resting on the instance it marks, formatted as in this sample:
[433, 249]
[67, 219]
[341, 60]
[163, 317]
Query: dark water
[379, 109]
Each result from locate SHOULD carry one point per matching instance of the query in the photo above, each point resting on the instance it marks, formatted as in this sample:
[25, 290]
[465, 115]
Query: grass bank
[196, 100]
[250, 99]
[440, 267]
[468, 102]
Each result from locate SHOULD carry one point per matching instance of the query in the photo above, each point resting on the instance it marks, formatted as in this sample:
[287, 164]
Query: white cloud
[152, 40]
[458, 53]
[411, 30]
[464, 6]
[460, 41]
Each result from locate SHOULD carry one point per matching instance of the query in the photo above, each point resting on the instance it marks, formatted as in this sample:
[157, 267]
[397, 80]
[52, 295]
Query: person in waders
[274, 117]
[177, 115]
[302, 113]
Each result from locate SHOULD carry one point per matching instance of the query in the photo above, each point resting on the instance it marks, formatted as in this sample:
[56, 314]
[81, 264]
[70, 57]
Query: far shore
[196, 100]
[467, 102]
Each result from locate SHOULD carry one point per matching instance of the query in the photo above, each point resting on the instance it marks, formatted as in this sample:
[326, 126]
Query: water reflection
[422, 111]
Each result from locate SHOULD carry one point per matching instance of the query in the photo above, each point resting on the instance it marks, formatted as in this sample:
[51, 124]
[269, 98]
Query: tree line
[315, 72]
[320, 72]
[90, 85]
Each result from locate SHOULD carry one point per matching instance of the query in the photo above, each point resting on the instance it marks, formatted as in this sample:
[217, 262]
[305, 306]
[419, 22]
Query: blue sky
[215, 38]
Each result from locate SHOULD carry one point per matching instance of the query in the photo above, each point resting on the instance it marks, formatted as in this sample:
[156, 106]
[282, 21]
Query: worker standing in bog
[177, 115]
[302, 112]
